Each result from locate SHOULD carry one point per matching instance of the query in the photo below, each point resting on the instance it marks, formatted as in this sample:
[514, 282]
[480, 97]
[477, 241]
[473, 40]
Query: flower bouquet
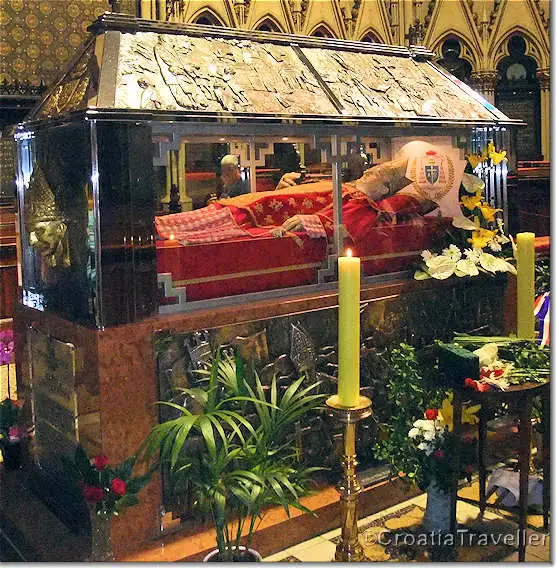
[476, 244]
[11, 434]
[506, 361]
[433, 438]
[434, 443]
[107, 490]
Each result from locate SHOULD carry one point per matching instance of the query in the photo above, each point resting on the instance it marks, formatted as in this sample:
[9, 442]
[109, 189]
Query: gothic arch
[468, 53]
[534, 48]
[207, 17]
[322, 30]
[270, 22]
[371, 35]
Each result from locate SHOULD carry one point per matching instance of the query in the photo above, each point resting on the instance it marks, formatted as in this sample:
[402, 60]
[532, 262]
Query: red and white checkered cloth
[206, 225]
[312, 225]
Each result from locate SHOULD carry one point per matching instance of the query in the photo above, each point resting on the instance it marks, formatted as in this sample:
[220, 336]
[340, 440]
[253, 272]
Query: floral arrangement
[418, 440]
[105, 488]
[10, 431]
[487, 154]
[479, 244]
[433, 438]
[506, 361]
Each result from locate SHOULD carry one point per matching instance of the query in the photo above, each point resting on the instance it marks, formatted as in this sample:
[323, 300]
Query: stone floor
[483, 542]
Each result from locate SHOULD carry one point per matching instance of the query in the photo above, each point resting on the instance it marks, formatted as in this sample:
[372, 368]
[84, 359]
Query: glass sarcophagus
[183, 178]
[146, 122]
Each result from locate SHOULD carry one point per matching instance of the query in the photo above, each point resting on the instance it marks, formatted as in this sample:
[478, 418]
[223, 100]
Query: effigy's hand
[291, 224]
[288, 180]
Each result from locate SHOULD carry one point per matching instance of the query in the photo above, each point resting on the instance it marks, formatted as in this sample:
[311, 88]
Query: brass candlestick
[349, 548]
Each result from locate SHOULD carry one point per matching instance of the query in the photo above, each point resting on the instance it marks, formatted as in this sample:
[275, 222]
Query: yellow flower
[481, 237]
[474, 160]
[490, 147]
[488, 212]
[471, 202]
[498, 157]
[446, 413]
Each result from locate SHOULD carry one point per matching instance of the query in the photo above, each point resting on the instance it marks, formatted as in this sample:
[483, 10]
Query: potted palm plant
[243, 458]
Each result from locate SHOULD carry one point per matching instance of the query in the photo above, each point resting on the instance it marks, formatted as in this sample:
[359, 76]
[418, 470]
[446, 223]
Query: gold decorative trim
[390, 255]
[244, 274]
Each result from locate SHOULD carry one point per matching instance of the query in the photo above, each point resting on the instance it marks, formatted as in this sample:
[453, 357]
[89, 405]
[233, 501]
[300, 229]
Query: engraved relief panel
[185, 73]
[380, 85]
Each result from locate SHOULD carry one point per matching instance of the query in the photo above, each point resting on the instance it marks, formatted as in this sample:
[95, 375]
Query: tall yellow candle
[348, 330]
[525, 259]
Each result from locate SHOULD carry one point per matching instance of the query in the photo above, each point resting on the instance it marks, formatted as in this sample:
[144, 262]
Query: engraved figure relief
[215, 74]
[383, 85]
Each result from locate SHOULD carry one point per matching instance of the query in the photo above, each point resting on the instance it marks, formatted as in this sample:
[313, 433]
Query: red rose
[431, 414]
[469, 469]
[469, 382]
[439, 454]
[100, 462]
[15, 433]
[118, 486]
[92, 493]
[483, 387]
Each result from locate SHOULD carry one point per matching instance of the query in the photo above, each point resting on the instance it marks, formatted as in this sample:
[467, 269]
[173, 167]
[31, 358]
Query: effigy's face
[384, 179]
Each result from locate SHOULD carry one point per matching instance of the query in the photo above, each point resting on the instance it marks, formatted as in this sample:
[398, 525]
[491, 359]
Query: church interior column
[545, 110]
[484, 82]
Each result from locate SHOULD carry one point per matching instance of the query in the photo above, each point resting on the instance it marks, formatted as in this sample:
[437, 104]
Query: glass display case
[187, 186]
[173, 166]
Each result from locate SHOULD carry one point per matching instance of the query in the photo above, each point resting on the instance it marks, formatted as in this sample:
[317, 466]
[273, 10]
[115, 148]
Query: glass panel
[55, 198]
[228, 231]
[127, 209]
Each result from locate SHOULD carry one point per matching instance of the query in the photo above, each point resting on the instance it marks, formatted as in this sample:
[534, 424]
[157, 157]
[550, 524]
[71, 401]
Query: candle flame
[349, 252]
[171, 237]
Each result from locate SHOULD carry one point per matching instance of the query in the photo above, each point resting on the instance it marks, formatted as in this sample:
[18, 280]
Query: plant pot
[12, 455]
[241, 555]
[101, 541]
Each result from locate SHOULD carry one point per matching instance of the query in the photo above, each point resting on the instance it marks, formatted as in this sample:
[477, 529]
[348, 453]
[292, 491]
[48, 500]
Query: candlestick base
[349, 548]
[350, 414]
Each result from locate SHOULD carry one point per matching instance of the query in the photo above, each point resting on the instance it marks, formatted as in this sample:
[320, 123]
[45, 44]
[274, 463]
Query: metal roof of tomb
[133, 68]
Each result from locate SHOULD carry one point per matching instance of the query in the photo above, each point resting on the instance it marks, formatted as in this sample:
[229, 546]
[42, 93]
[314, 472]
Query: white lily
[462, 222]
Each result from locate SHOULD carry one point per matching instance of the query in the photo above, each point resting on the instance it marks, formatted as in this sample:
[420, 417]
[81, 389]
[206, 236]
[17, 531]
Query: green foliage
[236, 451]
[9, 413]
[408, 396]
[543, 276]
[411, 390]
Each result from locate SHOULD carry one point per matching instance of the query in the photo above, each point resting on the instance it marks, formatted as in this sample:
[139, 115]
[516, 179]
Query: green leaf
[208, 436]
[127, 501]
[180, 439]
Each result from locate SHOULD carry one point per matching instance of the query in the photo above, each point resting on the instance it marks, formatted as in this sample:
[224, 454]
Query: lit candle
[348, 330]
[525, 258]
